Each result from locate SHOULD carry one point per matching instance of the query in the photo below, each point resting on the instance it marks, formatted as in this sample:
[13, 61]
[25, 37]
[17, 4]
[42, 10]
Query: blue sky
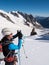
[35, 7]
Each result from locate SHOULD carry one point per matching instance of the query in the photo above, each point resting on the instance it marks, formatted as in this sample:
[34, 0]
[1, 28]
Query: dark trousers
[9, 63]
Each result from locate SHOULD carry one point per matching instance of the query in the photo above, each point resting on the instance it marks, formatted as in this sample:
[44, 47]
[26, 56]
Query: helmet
[6, 31]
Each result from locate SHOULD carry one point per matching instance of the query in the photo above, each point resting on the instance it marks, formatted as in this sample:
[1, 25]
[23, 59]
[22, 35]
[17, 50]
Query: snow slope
[37, 52]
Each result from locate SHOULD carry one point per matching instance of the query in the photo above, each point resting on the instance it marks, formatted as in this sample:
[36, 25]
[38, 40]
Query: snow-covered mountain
[27, 19]
[18, 20]
[15, 22]
[31, 19]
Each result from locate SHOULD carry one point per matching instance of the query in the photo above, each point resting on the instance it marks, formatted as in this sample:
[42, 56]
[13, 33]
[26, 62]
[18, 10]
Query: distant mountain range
[44, 21]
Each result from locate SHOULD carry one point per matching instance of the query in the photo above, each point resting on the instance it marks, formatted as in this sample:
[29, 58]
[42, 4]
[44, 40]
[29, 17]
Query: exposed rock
[6, 16]
[29, 18]
[15, 14]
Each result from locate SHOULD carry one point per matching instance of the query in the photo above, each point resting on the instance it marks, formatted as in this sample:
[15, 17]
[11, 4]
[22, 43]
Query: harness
[0, 48]
[10, 58]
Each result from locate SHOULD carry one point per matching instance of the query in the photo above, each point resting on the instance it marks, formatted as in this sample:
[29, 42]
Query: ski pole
[19, 57]
[24, 48]
[24, 51]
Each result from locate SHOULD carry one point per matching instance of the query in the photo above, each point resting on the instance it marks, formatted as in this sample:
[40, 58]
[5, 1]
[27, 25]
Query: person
[8, 47]
[33, 32]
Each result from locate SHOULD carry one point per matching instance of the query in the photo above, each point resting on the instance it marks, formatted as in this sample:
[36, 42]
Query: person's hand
[19, 34]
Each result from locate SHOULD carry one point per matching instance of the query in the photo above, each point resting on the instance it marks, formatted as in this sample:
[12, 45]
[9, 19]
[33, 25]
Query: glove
[19, 33]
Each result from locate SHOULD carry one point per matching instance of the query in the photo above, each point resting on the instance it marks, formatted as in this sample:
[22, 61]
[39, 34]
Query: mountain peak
[17, 16]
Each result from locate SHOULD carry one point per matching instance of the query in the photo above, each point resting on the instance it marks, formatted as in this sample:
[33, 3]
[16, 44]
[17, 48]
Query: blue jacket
[12, 46]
